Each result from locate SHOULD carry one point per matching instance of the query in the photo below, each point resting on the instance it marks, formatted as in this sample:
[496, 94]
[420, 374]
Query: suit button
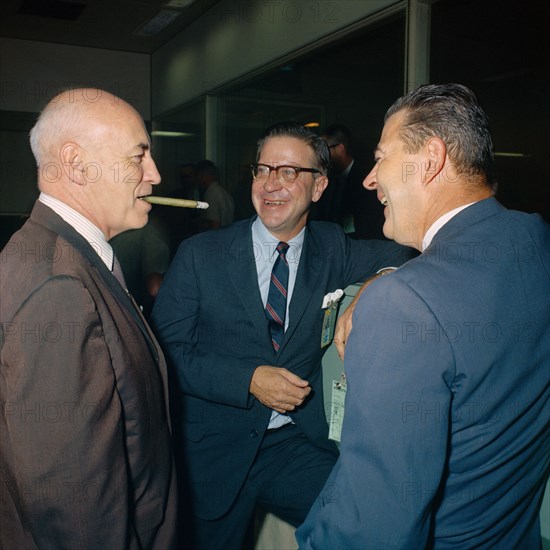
[254, 433]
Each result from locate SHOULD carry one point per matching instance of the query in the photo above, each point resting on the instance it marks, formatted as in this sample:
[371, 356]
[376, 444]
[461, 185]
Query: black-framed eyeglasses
[333, 145]
[284, 173]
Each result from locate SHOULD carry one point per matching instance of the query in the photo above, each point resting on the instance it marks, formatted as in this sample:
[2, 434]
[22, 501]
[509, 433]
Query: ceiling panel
[110, 24]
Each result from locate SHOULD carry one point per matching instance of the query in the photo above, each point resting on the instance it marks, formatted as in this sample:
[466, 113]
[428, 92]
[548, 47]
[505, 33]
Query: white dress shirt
[85, 227]
[265, 254]
[439, 223]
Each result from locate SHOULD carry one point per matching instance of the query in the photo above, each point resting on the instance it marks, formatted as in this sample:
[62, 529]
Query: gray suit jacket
[85, 455]
[211, 322]
[446, 436]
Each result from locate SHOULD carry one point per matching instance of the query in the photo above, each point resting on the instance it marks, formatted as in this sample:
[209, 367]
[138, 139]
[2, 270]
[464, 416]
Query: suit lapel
[241, 271]
[467, 218]
[306, 282]
[49, 219]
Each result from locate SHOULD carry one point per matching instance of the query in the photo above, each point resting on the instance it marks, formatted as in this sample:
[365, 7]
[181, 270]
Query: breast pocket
[194, 432]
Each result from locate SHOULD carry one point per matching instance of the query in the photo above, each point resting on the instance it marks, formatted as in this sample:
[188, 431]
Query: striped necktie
[275, 308]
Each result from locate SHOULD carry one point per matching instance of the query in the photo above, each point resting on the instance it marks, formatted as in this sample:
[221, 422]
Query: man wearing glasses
[240, 316]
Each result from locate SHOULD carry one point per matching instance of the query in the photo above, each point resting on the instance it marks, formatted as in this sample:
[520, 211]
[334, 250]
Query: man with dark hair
[345, 200]
[445, 436]
[221, 208]
[180, 222]
[240, 315]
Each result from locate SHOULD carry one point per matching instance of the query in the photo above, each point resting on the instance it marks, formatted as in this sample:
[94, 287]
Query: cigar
[183, 203]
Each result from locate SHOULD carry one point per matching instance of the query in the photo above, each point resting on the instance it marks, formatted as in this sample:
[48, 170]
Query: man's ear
[319, 185]
[436, 154]
[72, 163]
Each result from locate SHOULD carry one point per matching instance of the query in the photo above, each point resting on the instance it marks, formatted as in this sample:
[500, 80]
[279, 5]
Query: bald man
[85, 453]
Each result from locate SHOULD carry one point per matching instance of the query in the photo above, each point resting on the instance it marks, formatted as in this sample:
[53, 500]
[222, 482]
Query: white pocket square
[332, 297]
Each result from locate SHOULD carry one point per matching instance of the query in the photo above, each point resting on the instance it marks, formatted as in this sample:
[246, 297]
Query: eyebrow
[142, 147]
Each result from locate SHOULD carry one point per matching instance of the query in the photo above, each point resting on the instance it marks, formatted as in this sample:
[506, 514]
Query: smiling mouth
[274, 203]
[384, 201]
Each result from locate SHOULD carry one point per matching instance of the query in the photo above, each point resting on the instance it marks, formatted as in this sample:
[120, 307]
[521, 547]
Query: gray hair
[50, 125]
[452, 113]
[64, 114]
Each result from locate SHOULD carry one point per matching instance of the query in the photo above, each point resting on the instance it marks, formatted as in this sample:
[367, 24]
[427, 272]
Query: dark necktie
[275, 308]
[117, 272]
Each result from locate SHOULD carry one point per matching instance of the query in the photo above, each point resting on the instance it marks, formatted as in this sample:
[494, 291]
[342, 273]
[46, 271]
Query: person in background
[221, 207]
[144, 256]
[85, 455]
[445, 442]
[188, 183]
[345, 200]
[240, 316]
[180, 222]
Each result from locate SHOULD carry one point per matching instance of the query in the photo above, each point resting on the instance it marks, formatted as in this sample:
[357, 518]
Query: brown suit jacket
[85, 450]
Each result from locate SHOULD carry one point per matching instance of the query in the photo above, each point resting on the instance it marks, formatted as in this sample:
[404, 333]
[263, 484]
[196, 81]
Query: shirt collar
[263, 237]
[82, 225]
[439, 223]
[346, 172]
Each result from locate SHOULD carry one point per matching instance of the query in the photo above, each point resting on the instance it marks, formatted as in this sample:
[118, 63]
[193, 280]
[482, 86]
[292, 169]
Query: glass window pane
[178, 138]
[500, 50]
[351, 82]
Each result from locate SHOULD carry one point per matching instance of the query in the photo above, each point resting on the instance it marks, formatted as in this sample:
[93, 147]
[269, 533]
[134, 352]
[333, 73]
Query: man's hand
[344, 323]
[278, 388]
[343, 328]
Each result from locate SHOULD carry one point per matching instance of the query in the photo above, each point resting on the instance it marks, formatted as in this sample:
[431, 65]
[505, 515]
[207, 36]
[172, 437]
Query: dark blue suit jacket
[445, 441]
[210, 320]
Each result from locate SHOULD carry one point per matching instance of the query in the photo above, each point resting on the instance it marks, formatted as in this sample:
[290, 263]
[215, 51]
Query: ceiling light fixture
[312, 125]
[169, 12]
[178, 4]
[158, 23]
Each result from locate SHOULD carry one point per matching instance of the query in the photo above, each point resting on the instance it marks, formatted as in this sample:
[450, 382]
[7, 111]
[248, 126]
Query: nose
[369, 183]
[151, 173]
[272, 182]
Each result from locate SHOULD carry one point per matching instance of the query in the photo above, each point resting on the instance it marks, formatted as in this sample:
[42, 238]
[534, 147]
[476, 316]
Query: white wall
[237, 37]
[31, 73]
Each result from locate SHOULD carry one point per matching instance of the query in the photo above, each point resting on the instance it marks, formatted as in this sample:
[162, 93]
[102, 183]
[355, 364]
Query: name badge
[339, 388]
[330, 302]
